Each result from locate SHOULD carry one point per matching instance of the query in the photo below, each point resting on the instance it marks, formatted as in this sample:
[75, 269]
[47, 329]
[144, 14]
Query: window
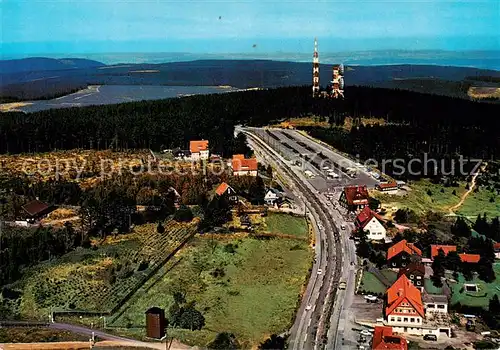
[399, 319]
[412, 277]
[393, 319]
[412, 319]
[419, 283]
[430, 306]
[419, 277]
[440, 306]
[405, 319]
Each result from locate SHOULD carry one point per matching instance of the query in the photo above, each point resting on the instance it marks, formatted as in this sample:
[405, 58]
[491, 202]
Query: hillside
[237, 73]
[36, 64]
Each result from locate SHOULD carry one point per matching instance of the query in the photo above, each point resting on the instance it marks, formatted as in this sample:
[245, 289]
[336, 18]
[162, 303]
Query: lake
[110, 94]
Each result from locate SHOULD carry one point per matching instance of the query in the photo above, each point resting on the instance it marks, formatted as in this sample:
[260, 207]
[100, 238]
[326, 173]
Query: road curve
[310, 327]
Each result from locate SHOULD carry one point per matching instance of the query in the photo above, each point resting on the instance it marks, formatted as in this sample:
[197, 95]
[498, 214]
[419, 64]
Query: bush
[183, 214]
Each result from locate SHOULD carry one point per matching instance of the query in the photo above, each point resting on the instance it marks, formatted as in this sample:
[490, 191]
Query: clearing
[98, 278]
[480, 298]
[286, 225]
[419, 200]
[254, 294]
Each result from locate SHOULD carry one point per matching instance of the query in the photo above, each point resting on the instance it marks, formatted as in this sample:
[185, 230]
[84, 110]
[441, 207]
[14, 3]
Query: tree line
[418, 122]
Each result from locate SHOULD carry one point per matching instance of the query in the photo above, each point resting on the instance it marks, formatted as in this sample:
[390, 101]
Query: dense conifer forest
[415, 122]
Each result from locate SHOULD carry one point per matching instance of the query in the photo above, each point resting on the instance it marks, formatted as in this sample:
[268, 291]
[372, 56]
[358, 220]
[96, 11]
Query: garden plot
[99, 278]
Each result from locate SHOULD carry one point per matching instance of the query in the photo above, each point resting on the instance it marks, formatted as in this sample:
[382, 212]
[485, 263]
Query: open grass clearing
[371, 284]
[480, 203]
[256, 296]
[480, 298]
[286, 224]
[419, 200]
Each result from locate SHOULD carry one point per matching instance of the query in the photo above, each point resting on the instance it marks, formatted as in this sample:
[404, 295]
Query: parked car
[366, 333]
[431, 337]
[320, 271]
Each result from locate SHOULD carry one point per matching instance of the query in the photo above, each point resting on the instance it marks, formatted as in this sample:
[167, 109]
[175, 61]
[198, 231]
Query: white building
[199, 150]
[371, 223]
[271, 198]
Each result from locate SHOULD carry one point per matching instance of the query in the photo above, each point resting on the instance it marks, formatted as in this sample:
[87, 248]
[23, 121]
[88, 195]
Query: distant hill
[36, 84]
[37, 64]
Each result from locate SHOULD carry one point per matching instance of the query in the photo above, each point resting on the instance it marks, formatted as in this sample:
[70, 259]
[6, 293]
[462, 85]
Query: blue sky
[85, 26]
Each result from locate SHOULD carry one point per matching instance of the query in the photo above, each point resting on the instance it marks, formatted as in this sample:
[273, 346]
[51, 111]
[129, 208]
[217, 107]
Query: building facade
[199, 150]
[371, 223]
[402, 253]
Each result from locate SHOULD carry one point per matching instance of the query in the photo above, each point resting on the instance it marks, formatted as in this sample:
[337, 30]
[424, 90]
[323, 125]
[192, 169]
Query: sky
[235, 26]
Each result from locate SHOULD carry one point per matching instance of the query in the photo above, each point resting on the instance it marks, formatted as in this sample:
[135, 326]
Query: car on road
[342, 285]
[320, 271]
[308, 307]
[342, 227]
[366, 333]
[371, 298]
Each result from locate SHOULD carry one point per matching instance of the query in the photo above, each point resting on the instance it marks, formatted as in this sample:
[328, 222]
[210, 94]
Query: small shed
[36, 209]
[155, 323]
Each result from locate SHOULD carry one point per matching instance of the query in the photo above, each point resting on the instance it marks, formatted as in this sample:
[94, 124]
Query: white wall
[375, 230]
[433, 307]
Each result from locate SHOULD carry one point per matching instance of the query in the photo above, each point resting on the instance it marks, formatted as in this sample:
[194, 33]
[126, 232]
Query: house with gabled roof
[401, 253]
[496, 248]
[354, 198]
[225, 190]
[469, 258]
[244, 166]
[199, 149]
[385, 339]
[36, 209]
[405, 309]
[371, 223]
[435, 248]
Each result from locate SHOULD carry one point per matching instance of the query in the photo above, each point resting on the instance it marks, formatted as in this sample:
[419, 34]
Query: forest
[415, 123]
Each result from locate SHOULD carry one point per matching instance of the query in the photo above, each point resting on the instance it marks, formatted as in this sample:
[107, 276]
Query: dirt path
[466, 194]
[86, 345]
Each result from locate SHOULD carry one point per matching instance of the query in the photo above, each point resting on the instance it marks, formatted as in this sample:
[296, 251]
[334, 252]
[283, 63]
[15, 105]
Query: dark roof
[155, 310]
[35, 207]
[356, 195]
[411, 268]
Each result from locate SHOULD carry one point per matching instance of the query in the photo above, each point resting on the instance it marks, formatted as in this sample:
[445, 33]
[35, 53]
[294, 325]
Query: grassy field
[479, 203]
[419, 200]
[371, 284]
[30, 335]
[286, 224]
[479, 298]
[256, 296]
[96, 279]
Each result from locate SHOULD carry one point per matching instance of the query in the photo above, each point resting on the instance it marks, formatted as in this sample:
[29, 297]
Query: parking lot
[315, 160]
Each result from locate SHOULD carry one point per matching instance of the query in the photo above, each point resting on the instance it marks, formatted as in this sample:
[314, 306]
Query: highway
[310, 327]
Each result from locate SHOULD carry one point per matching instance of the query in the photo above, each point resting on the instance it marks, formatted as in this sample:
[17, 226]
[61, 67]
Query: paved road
[313, 328]
[297, 143]
[88, 332]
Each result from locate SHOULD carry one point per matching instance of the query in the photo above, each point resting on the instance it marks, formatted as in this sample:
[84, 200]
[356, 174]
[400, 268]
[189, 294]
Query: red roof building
[383, 338]
[470, 258]
[222, 188]
[390, 186]
[403, 246]
[365, 216]
[198, 146]
[244, 166]
[404, 304]
[435, 248]
[354, 197]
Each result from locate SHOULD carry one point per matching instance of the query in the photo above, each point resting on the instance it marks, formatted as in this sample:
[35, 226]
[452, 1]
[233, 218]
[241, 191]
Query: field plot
[286, 224]
[424, 196]
[371, 284]
[254, 293]
[480, 298]
[98, 278]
